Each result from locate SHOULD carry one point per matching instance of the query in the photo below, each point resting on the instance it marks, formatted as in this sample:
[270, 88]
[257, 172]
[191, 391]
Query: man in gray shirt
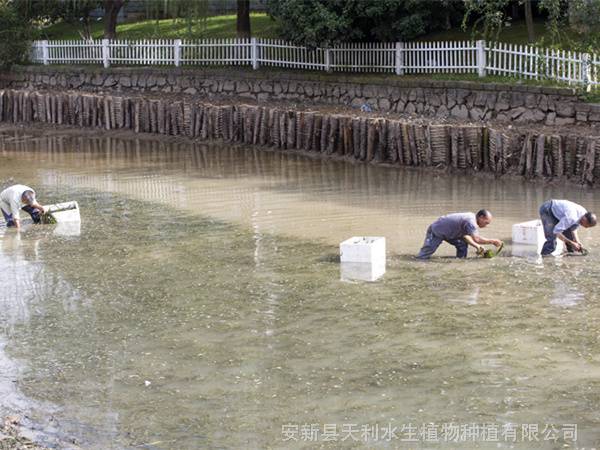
[459, 230]
[560, 219]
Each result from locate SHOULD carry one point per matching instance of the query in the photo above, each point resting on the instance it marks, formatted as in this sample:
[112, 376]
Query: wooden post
[328, 60]
[45, 53]
[105, 53]
[481, 60]
[177, 52]
[586, 71]
[255, 56]
[540, 150]
[399, 58]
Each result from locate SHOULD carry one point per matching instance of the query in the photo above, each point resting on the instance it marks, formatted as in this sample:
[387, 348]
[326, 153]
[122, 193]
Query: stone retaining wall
[473, 101]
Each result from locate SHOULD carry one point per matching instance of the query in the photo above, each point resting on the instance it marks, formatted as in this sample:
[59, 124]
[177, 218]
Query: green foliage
[572, 24]
[16, 34]
[485, 17]
[193, 13]
[214, 27]
[324, 22]
[584, 15]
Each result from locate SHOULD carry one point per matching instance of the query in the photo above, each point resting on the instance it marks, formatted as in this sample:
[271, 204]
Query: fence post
[177, 52]
[481, 62]
[399, 58]
[254, 53]
[328, 60]
[105, 53]
[45, 53]
[585, 70]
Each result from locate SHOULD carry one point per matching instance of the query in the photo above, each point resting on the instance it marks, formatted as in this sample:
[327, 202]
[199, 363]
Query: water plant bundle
[49, 218]
[490, 253]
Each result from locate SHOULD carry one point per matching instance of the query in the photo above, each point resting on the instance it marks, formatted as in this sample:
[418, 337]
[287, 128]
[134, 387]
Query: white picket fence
[494, 58]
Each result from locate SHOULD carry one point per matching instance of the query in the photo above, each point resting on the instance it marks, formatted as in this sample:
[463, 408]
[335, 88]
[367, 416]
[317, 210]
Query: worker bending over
[459, 230]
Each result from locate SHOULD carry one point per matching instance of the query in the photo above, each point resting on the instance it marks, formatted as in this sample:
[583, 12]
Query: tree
[486, 17]
[529, 21]
[324, 22]
[584, 16]
[79, 11]
[111, 11]
[16, 34]
[243, 19]
[193, 12]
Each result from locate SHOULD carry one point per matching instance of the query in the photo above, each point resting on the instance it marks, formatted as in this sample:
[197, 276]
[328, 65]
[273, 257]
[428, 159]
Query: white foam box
[361, 271]
[530, 235]
[363, 249]
[64, 212]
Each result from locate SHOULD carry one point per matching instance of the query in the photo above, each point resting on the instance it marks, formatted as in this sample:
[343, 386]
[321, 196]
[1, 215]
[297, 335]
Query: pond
[200, 305]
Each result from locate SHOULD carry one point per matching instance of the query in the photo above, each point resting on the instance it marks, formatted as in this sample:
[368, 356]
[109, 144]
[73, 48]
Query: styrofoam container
[528, 237]
[64, 212]
[67, 229]
[530, 233]
[361, 271]
[366, 249]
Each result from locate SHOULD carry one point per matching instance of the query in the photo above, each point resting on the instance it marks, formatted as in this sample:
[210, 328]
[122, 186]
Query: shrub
[16, 34]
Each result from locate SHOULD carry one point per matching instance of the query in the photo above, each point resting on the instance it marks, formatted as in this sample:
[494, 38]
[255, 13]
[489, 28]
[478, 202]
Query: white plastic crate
[530, 233]
[363, 249]
[528, 237]
[64, 212]
[360, 271]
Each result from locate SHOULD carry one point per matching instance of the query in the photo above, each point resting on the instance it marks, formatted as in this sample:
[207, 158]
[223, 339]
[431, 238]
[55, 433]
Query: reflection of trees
[361, 185]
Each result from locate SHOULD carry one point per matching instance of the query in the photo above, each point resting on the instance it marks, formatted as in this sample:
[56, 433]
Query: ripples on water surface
[202, 306]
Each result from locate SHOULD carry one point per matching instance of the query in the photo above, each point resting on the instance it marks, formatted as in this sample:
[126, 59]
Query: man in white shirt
[560, 219]
[15, 198]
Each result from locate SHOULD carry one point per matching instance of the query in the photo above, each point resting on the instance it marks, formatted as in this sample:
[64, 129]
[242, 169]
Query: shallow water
[201, 306]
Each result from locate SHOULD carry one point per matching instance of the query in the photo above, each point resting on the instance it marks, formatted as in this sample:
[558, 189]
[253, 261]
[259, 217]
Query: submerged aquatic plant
[490, 253]
[48, 218]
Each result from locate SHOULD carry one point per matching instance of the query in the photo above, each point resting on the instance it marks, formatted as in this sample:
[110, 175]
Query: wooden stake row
[367, 139]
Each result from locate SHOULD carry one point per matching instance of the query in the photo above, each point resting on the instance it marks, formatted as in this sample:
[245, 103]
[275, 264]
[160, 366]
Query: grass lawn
[516, 33]
[213, 27]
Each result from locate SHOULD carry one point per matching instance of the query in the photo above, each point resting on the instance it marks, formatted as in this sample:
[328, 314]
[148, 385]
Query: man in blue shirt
[560, 219]
[459, 230]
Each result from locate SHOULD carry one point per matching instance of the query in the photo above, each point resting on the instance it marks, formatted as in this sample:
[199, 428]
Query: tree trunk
[529, 21]
[243, 18]
[111, 11]
[447, 16]
[516, 13]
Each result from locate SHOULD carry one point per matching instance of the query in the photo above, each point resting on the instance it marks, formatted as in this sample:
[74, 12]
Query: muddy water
[201, 306]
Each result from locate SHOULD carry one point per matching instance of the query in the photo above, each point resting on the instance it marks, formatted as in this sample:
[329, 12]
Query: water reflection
[355, 271]
[566, 295]
[283, 193]
[207, 271]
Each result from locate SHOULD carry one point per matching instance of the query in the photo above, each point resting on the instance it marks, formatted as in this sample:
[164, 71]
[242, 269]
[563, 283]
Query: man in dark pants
[560, 219]
[16, 198]
[459, 230]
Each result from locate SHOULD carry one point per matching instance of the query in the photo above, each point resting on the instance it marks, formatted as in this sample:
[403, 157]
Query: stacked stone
[429, 98]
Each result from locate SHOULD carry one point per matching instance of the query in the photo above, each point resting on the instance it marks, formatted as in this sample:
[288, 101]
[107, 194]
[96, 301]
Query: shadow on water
[201, 306]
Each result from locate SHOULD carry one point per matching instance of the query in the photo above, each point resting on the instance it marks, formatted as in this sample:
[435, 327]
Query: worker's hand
[496, 242]
[576, 245]
[480, 250]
